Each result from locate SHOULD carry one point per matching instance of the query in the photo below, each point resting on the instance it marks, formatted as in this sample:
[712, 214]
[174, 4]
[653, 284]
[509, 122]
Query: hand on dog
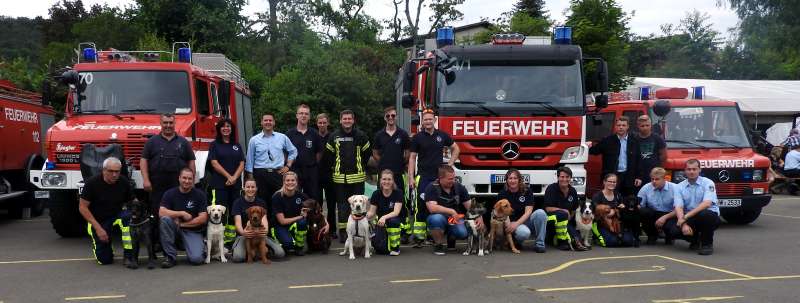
[511, 227]
[637, 182]
[382, 221]
[687, 230]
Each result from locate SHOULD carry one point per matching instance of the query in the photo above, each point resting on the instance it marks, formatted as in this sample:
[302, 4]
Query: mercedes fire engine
[506, 104]
[711, 131]
[116, 97]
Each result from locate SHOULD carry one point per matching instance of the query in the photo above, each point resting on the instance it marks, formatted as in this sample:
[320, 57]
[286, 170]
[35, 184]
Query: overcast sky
[647, 15]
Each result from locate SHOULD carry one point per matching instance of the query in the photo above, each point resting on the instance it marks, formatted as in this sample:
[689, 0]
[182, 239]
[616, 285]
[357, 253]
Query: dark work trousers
[326, 187]
[344, 191]
[268, 181]
[401, 186]
[703, 224]
[308, 176]
[161, 182]
[625, 183]
[649, 217]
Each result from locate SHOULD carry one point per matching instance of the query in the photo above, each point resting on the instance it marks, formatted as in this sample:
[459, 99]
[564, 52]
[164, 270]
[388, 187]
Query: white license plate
[730, 202]
[502, 178]
[41, 194]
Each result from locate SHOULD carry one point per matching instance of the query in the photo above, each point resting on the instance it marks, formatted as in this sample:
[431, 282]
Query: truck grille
[731, 189]
[131, 149]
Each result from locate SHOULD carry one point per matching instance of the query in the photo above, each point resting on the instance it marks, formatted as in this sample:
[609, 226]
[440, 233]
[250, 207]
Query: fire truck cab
[711, 131]
[116, 97]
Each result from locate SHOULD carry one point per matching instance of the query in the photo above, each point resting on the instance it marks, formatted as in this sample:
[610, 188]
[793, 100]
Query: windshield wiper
[686, 142]
[720, 142]
[546, 105]
[478, 104]
[139, 110]
[93, 111]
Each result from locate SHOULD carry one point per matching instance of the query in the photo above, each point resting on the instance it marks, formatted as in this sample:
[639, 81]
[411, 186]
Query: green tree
[600, 27]
[532, 8]
[20, 37]
[768, 32]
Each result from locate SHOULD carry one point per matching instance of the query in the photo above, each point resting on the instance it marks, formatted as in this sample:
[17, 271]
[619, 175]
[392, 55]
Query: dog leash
[140, 223]
[454, 219]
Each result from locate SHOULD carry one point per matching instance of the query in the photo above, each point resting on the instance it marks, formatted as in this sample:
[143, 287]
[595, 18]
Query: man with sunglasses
[391, 152]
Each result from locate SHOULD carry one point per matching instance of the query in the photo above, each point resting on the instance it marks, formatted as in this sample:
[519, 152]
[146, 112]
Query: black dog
[630, 218]
[141, 226]
[317, 240]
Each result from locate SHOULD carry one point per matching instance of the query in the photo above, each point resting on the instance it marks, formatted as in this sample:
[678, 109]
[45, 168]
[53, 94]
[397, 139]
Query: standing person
[348, 150]
[447, 201]
[287, 203]
[309, 151]
[265, 158]
[386, 204]
[240, 218]
[610, 199]
[227, 160]
[183, 216]
[696, 210]
[560, 203]
[325, 173]
[163, 157]
[391, 152]
[529, 217]
[652, 149]
[101, 206]
[426, 151]
[657, 203]
[793, 140]
[620, 156]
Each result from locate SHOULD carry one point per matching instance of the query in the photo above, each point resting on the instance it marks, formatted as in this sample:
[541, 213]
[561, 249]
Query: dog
[358, 232]
[501, 217]
[475, 239]
[630, 218]
[256, 246]
[608, 220]
[583, 223]
[215, 233]
[317, 241]
[141, 227]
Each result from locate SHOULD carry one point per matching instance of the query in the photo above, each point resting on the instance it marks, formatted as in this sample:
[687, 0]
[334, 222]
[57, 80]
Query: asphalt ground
[753, 263]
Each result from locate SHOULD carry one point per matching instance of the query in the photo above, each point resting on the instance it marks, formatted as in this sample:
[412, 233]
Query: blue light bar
[563, 35]
[89, 54]
[445, 36]
[644, 93]
[698, 92]
[50, 165]
[184, 55]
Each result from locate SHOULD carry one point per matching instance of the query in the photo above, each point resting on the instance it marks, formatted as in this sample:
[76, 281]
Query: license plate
[730, 202]
[502, 178]
[41, 194]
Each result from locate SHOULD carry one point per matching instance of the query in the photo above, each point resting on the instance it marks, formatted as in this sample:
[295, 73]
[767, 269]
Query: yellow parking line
[415, 281]
[204, 292]
[665, 283]
[655, 268]
[780, 216]
[46, 261]
[706, 267]
[696, 299]
[94, 298]
[315, 286]
[568, 264]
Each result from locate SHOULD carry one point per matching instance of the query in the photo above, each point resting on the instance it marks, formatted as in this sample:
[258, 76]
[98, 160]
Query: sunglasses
[390, 116]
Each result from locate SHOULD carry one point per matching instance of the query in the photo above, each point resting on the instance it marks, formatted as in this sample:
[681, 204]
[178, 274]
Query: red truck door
[207, 107]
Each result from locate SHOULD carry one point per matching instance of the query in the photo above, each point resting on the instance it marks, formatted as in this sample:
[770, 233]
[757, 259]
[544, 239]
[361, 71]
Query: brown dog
[256, 245]
[317, 240]
[501, 217]
[608, 217]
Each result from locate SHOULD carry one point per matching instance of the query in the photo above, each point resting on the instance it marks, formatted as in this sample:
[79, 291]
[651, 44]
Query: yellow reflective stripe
[213, 197]
[359, 168]
[597, 235]
[337, 168]
[393, 237]
[94, 245]
[298, 236]
[329, 146]
[365, 147]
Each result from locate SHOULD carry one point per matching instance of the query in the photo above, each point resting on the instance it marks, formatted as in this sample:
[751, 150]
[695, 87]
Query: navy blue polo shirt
[518, 201]
[290, 206]
[453, 200]
[385, 204]
[194, 202]
[553, 197]
[241, 205]
[429, 149]
[167, 156]
[308, 145]
[229, 156]
[391, 149]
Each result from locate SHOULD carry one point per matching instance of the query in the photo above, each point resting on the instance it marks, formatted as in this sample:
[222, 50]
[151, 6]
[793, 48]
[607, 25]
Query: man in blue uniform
[656, 206]
[696, 210]
[309, 151]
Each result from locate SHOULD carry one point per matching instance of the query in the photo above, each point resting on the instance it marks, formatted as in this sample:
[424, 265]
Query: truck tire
[64, 215]
[741, 217]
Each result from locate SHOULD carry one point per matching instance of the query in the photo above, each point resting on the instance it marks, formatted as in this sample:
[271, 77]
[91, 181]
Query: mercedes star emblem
[510, 150]
[724, 176]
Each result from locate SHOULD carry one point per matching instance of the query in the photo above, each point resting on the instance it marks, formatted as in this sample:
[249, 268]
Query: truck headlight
[54, 179]
[574, 154]
[758, 175]
[578, 181]
[678, 177]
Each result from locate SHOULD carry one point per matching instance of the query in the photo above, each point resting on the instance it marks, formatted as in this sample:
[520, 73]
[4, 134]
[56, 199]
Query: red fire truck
[24, 118]
[713, 132]
[116, 97]
[506, 104]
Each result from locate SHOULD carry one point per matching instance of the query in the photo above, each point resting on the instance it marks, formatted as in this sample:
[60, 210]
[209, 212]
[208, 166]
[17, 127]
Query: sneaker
[394, 253]
[694, 245]
[706, 250]
[539, 249]
[669, 241]
[418, 243]
[168, 263]
[439, 250]
[130, 263]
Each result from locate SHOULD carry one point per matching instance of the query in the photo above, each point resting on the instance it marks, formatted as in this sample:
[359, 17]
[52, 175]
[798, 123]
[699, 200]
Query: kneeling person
[386, 204]
[287, 205]
[240, 218]
[183, 216]
[525, 221]
[447, 201]
[657, 205]
[696, 210]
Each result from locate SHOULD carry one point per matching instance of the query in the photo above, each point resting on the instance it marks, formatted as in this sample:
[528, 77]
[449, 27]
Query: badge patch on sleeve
[711, 188]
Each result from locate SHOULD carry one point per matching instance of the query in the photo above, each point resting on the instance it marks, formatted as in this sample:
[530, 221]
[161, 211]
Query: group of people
[785, 159]
[279, 171]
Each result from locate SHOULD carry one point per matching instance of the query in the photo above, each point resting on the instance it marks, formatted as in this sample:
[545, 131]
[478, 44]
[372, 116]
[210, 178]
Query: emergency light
[563, 35]
[445, 36]
[50, 165]
[508, 39]
[644, 93]
[89, 54]
[698, 92]
[184, 55]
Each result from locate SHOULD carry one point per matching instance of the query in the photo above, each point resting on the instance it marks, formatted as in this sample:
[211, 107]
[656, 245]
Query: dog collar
[140, 223]
[358, 216]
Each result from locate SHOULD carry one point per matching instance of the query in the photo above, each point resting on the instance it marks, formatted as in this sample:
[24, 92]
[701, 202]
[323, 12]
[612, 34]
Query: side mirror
[601, 101]
[408, 101]
[661, 108]
[70, 77]
[596, 122]
[602, 76]
[423, 68]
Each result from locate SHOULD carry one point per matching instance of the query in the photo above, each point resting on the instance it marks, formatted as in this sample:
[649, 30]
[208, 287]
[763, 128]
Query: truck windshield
[704, 126]
[120, 92]
[515, 86]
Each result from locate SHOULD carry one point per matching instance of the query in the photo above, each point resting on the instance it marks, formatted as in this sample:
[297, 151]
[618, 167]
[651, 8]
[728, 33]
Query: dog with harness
[318, 240]
[141, 227]
[475, 239]
[358, 229]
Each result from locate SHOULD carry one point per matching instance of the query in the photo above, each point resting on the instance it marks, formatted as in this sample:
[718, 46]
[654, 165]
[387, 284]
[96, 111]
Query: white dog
[215, 233]
[357, 227]
[583, 222]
